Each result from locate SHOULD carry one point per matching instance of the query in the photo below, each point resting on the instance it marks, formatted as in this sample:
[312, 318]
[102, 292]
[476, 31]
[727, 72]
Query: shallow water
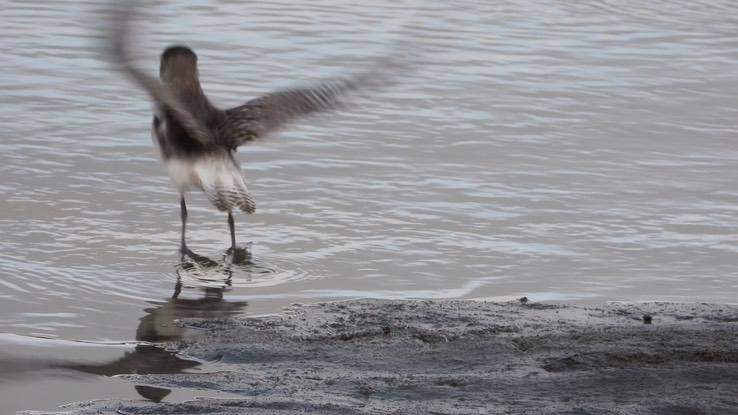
[567, 150]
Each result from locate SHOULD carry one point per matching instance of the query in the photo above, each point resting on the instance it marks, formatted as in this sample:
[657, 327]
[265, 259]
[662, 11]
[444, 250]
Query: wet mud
[458, 357]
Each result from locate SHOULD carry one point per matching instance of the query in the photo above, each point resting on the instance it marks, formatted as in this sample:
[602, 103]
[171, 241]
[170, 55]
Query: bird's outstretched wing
[162, 96]
[263, 115]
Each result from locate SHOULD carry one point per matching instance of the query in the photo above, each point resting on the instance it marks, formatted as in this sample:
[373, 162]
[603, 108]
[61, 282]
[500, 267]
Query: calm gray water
[559, 150]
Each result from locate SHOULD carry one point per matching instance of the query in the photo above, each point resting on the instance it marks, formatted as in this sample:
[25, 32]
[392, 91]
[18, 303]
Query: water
[580, 151]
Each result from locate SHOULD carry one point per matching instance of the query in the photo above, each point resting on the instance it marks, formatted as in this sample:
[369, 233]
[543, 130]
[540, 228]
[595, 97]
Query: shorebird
[197, 141]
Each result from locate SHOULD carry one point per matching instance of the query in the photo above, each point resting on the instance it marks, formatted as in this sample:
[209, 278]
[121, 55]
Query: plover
[197, 141]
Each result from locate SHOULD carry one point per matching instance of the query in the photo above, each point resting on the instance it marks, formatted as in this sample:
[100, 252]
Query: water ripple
[564, 150]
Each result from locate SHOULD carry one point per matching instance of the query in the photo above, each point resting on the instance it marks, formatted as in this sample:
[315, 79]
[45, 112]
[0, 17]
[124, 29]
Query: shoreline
[373, 356]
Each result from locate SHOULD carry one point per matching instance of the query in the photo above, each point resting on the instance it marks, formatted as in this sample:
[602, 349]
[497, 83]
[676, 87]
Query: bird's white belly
[183, 175]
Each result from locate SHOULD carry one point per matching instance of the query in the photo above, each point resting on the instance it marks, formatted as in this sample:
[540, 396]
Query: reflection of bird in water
[197, 141]
[158, 325]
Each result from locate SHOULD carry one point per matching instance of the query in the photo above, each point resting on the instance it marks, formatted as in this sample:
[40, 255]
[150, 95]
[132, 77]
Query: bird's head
[178, 67]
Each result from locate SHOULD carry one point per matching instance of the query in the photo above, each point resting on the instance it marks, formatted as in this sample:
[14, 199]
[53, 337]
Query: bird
[197, 141]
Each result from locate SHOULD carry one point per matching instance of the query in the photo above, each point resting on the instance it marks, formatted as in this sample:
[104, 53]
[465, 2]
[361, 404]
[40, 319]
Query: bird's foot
[240, 255]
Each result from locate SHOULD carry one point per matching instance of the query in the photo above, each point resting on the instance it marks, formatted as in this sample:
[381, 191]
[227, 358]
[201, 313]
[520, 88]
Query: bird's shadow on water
[158, 325]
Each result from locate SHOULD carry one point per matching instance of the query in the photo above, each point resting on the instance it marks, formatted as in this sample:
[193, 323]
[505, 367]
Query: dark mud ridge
[460, 357]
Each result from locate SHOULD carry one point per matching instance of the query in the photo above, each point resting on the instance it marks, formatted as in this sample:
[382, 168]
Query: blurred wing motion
[261, 116]
[258, 117]
[163, 96]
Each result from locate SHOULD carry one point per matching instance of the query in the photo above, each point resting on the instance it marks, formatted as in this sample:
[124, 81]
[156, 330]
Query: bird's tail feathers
[224, 185]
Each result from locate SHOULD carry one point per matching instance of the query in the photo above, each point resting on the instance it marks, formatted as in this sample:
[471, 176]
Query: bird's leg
[183, 247]
[232, 227]
[204, 261]
[240, 255]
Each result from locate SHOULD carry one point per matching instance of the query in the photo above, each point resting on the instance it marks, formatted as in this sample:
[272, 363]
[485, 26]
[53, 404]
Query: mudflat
[459, 357]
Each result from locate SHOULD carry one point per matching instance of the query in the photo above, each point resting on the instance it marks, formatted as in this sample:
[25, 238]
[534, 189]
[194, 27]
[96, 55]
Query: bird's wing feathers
[265, 114]
[255, 118]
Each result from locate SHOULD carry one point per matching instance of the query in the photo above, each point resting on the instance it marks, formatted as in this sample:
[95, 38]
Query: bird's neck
[190, 92]
[187, 88]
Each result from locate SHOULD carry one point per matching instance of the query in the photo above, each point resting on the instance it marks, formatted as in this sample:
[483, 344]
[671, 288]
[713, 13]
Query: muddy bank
[461, 357]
